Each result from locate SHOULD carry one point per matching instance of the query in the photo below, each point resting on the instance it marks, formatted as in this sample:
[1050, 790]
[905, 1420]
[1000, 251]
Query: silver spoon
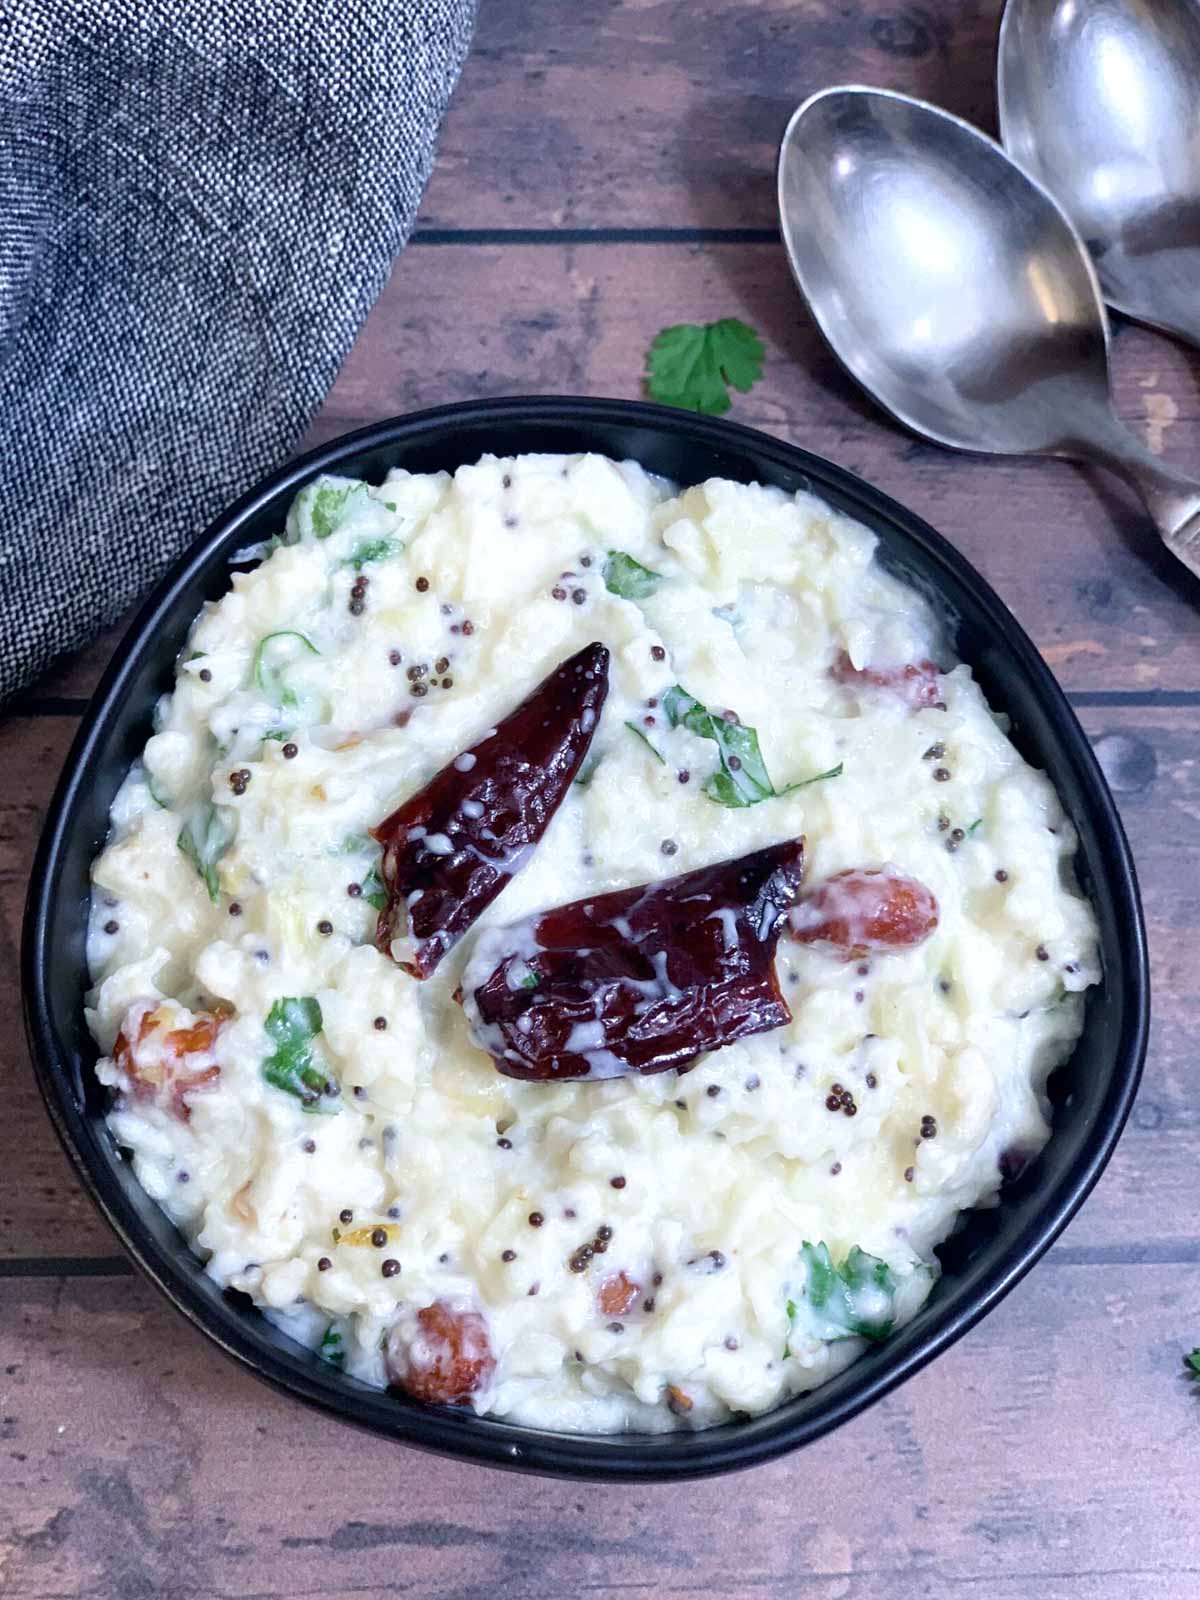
[1100, 101]
[956, 291]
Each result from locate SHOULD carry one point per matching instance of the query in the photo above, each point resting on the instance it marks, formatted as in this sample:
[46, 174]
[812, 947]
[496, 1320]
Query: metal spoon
[1099, 101]
[956, 291]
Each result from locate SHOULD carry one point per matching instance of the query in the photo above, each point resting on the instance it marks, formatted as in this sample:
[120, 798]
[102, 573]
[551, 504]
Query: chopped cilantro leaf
[331, 507]
[333, 1346]
[627, 578]
[743, 779]
[791, 1316]
[856, 1298]
[694, 366]
[204, 839]
[817, 777]
[292, 1025]
[372, 550]
[271, 658]
[374, 891]
[323, 506]
[587, 771]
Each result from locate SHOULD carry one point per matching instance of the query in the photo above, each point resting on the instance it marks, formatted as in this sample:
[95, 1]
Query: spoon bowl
[950, 286]
[955, 289]
[1099, 101]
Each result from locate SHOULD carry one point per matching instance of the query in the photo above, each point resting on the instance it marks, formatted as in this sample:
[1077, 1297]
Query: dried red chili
[640, 980]
[450, 850]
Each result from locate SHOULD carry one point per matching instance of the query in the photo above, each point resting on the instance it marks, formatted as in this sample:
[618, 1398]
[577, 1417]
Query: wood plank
[667, 113]
[1144, 1201]
[1068, 551]
[1018, 1464]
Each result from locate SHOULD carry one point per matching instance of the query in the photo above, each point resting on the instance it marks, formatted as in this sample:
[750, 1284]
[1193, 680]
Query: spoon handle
[1171, 498]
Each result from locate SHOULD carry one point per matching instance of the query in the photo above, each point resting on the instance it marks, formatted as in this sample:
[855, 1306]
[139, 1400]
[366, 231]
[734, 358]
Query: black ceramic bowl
[992, 1249]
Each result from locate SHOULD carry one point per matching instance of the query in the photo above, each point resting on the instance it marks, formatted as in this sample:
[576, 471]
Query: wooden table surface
[606, 169]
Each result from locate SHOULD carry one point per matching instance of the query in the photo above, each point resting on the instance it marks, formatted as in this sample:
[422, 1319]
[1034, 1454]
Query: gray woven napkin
[199, 202]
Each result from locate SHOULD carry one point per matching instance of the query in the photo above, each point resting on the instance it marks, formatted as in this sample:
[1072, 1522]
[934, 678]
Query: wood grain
[1143, 1203]
[137, 1462]
[667, 113]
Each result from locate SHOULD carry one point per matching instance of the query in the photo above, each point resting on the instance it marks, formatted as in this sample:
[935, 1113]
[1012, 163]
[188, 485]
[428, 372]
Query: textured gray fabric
[199, 202]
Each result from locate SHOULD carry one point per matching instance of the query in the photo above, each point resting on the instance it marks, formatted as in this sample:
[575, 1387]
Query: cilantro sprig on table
[694, 366]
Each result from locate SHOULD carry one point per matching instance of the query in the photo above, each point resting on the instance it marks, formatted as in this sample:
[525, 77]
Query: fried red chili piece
[445, 1359]
[865, 909]
[640, 980]
[917, 683]
[449, 851]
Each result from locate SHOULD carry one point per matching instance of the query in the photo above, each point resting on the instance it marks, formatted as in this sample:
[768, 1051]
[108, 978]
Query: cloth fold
[199, 203]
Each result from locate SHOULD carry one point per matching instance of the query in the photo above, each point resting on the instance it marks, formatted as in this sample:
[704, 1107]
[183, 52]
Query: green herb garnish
[331, 507]
[627, 578]
[374, 891]
[817, 777]
[975, 827]
[292, 1025]
[587, 771]
[658, 756]
[333, 1346]
[856, 1298]
[743, 779]
[1192, 1363]
[270, 659]
[372, 550]
[322, 507]
[695, 366]
[204, 839]
[791, 1316]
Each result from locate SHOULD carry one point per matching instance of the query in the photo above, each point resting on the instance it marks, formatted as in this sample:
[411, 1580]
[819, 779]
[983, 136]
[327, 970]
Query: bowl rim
[490, 1441]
